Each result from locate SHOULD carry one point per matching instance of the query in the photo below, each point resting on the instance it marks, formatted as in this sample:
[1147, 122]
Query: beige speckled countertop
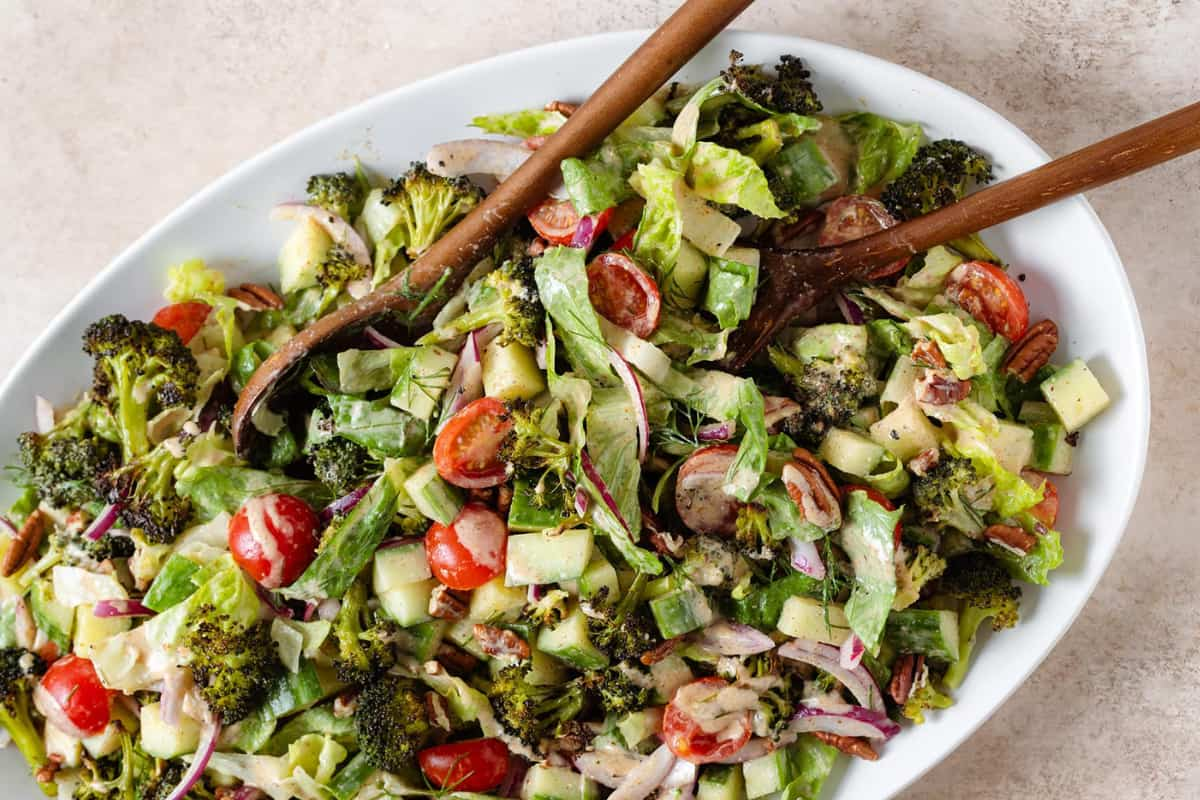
[115, 112]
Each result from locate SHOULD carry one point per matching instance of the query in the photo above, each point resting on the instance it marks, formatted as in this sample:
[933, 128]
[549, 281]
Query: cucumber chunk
[899, 385]
[544, 782]
[302, 253]
[168, 741]
[1075, 395]
[768, 774]
[721, 782]
[408, 604]
[510, 372]
[569, 642]
[681, 610]
[931, 632]
[434, 497]
[599, 576]
[526, 515]
[905, 431]
[496, 601]
[850, 452]
[804, 618]
[535, 558]
[638, 726]
[425, 638]
[669, 674]
[399, 566]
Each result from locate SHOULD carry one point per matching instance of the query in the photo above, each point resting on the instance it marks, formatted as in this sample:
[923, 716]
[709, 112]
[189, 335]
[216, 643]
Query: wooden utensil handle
[1134, 150]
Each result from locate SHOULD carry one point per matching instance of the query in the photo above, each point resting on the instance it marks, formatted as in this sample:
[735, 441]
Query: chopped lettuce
[592, 187]
[867, 536]
[526, 123]
[1036, 565]
[562, 283]
[732, 286]
[378, 426]
[692, 336]
[748, 465]
[660, 230]
[958, 341]
[885, 148]
[725, 176]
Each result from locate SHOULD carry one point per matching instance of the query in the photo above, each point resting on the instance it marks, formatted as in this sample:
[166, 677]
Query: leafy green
[563, 286]
[958, 341]
[1036, 565]
[660, 231]
[748, 465]
[695, 341]
[592, 187]
[525, 123]
[732, 286]
[726, 176]
[812, 761]
[377, 426]
[226, 487]
[885, 148]
[762, 605]
[867, 537]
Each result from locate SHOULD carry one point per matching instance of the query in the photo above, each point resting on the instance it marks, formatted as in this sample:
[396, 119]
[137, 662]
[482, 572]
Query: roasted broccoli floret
[777, 704]
[508, 297]
[623, 630]
[984, 590]
[534, 451]
[62, 464]
[343, 465]
[753, 533]
[338, 269]
[391, 723]
[711, 561]
[953, 494]
[119, 776]
[233, 664]
[619, 689]
[338, 192]
[18, 673]
[531, 712]
[548, 609]
[920, 566]
[165, 776]
[140, 369]
[938, 176]
[924, 697]
[429, 205]
[75, 550]
[364, 646]
[787, 91]
[828, 393]
[144, 488]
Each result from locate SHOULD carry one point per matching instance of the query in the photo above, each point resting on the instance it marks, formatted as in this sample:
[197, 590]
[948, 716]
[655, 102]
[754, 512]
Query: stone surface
[114, 113]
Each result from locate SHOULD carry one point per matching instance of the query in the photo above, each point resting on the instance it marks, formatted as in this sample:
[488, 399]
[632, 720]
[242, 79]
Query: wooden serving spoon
[451, 258]
[795, 280]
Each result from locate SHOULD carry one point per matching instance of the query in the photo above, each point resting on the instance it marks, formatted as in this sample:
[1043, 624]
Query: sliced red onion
[462, 157]
[54, 713]
[514, 777]
[777, 409]
[375, 337]
[466, 381]
[585, 233]
[101, 524]
[680, 781]
[121, 608]
[248, 793]
[646, 777]
[806, 558]
[339, 230]
[827, 658]
[328, 609]
[204, 753]
[270, 601]
[757, 748]
[310, 610]
[716, 431]
[608, 767]
[594, 476]
[734, 639]
[581, 501]
[625, 373]
[852, 651]
[845, 721]
[535, 592]
[850, 310]
[343, 504]
[43, 414]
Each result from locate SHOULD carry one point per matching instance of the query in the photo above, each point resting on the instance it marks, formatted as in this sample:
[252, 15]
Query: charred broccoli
[711, 561]
[391, 723]
[140, 369]
[828, 393]
[144, 488]
[919, 567]
[507, 297]
[340, 193]
[924, 697]
[753, 533]
[61, 465]
[788, 91]
[429, 205]
[619, 689]
[233, 664]
[119, 776]
[343, 465]
[622, 630]
[531, 450]
[364, 646]
[18, 674]
[531, 712]
[938, 176]
[953, 494]
[984, 589]
[338, 269]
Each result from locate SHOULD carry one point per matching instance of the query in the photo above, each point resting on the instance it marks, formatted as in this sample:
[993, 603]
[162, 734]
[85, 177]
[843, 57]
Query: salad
[531, 540]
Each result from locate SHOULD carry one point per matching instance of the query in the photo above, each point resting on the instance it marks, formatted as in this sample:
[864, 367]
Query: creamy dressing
[266, 524]
[478, 537]
[721, 712]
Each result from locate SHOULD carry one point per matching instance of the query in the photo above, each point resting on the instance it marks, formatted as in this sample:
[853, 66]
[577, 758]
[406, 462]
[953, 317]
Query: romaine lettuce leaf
[660, 230]
[1034, 566]
[695, 341]
[562, 283]
[748, 464]
[958, 342]
[724, 175]
[732, 286]
[591, 186]
[812, 761]
[612, 444]
[226, 487]
[687, 124]
[377, 426]
[867, 537]
[885, 148]
[525, 123]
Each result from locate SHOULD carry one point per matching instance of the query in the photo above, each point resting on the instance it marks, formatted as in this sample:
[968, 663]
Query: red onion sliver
[680, 783]
[379, 339]
[343, 504]
[398, 541]
[466, 381]
[734, 639]
[514, 777]
[852, 651]
[121, 608]
[581, 502]
[204, 753]
[43, 414]
[828, 658]
[716, 431]
[806, 559]
[101, 524]
[625, 373]
[270, 601]
[607, 767]
[594, 476]
[646, 777]
[585, 233]
[310, 610]
[54, 713]
[847, 721]
[339, 230]
[248, 793]
[850, 310]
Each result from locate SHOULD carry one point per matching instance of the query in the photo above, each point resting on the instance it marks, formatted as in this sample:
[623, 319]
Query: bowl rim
[1137, 374]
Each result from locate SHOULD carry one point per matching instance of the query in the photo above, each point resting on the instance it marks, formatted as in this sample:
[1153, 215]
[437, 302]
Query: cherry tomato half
[186, 319]
[988, 294]
[623, 294]
[878, 497]
[688, 739]
[554, 220]
[73, 684]
[473, 766]
[470, 551]
[274, 538]
[854, 217]
[467, 451]
[1045, 512]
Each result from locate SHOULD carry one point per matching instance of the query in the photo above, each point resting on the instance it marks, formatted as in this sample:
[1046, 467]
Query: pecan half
[924, 461]
[562, 107]
[256, 296]
[1010, 536]
[46, 772]
[500, 642]
[504, 496]
[812, 490]
[926, 353]
[455, 660]
[444, 604]
[1032, 351]
[850, 745]
[904, 676]
[24, 544]
[660, 652]
[536, 247]
[939, 387]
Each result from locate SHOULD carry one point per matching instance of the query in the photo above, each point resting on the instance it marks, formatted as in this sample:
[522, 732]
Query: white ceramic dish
[1073, 275]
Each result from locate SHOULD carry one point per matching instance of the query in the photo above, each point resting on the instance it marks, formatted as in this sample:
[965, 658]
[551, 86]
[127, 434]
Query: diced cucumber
[1075, 395]
[939, 261]
[526, 515]
[540, 558]
[426, 638]
[865, 417]
[1013, 445]
[656, 588]
[252, 734]
[420, 384]
[544, 670]
[92, 631]
[685, 283]
[510, 372]
[351, 778]
[461, 633]
[803, 167]
[569, 642]
[51, 617]
[168, 741]
[931, 632]
[173, 584]
[899, 385]
[399, 566]
[669, 674]
[638, 726]
[721, 782]
[831, 341]
[495, 601]
[544, 782]
[294, 691]
[850, 452]
[768, 774]
[434, 497]
[597, 577]
[63, 744]
[408, 604]
[906, 431]
[302, 254]
[109, 740]
[1033, 412]
[1052, 448]
[804, 618]
[681, 610]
